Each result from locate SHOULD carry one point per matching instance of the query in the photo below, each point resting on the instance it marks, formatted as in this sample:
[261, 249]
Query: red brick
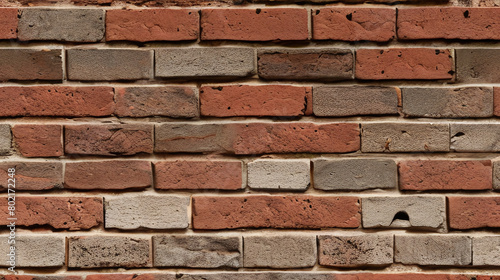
[152, 25]
[496, 101]
[246, 100]
[74, 213]
[260, 211]
[488, 277]
[130, 277]
[404, 64]
[8, 23]
[38, 140]
[254, 24]
[57, 101]
[108, 175]
[38, 277]
[113, 139]
[31, 64]
[421, 175]
[33, 175]
[401, 276]
[473, 212]
[354, 24]
[449, 23]
[184, 174]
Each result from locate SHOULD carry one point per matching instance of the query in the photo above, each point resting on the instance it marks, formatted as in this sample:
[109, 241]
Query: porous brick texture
[249, 139]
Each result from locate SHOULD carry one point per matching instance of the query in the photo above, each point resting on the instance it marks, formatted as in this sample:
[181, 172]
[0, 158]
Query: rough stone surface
[354, 24]
[421, 175]
[109, 64]
[254, 24]
[147, 211]
[8, 23]
[204, 62]
[338, 101]
[473, 212]
[355, 251]
[108, 251]
[152, 25]
[405, 137]
[38, 140]
[74, 213]
[284, 251]
[433, 249]
[249, 100]
[108, 175]
[463, 23]
[404, 64]
[5, 139]
[305, 64]
[73, 25]
[486, 250]
[169, 101]
[39, 250]
[478, 65]
[33, 175]
[108, 140]
[464, 102]
[31, 64]
[276, 174]
[355, 174]
[197, 251]
[261, 211]
[475, 137]
[190, 174]
[57, 101]
[426, 212]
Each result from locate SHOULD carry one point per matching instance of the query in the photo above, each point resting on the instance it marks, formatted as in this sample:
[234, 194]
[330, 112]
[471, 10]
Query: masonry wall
[198, 139]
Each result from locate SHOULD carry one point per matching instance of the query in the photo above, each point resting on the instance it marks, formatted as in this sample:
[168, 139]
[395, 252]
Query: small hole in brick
[349, 16]
[401, 219]
[317, 12]
[257, 11]
[466, 14]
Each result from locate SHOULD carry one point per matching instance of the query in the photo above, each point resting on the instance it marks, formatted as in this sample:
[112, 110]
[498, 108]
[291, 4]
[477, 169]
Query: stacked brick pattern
[289, 141]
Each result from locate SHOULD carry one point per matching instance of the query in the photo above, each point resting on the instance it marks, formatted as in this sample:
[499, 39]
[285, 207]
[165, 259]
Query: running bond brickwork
[250, 139]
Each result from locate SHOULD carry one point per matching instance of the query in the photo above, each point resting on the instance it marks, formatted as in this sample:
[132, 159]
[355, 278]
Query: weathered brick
[355, 250]
[190, 137]
[147, 211]
[496, 175]
[8, 23]
[108, 175]
[354, 24]
[31, 64]
[197, 251]
[38, 140]
[486, 250]
[249, 100]
[109, 64]
[169, 101]
[110, 139]
[40, 250]
[426, 212]
[72, 25]
[5, 139]
[303, 275]
[337, 101]
[275, 174]
[35, 176]
[478, 65]
[433, 249]
[60, 101]
[404, 64]
[400, 276]
[464, 23]
[40, 277]
[191, 174]
[464, 102]
[280, 24]
[108, 251]
[405, 137]
[146, 276]
[475, 137]
[152, 25]
[421, 175]
[283, 251]
[473, 212]
[204, 62]
[73, 213]
[355, 174]
[496, 101]
[305, 64]
[260, 211]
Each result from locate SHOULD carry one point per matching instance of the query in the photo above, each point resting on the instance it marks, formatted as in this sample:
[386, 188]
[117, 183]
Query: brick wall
[239, 140]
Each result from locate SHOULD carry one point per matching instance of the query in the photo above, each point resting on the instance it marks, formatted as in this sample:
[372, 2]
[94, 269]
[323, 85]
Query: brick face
[31, 64]
[8, 23]
[38, 140]
[474, 212]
